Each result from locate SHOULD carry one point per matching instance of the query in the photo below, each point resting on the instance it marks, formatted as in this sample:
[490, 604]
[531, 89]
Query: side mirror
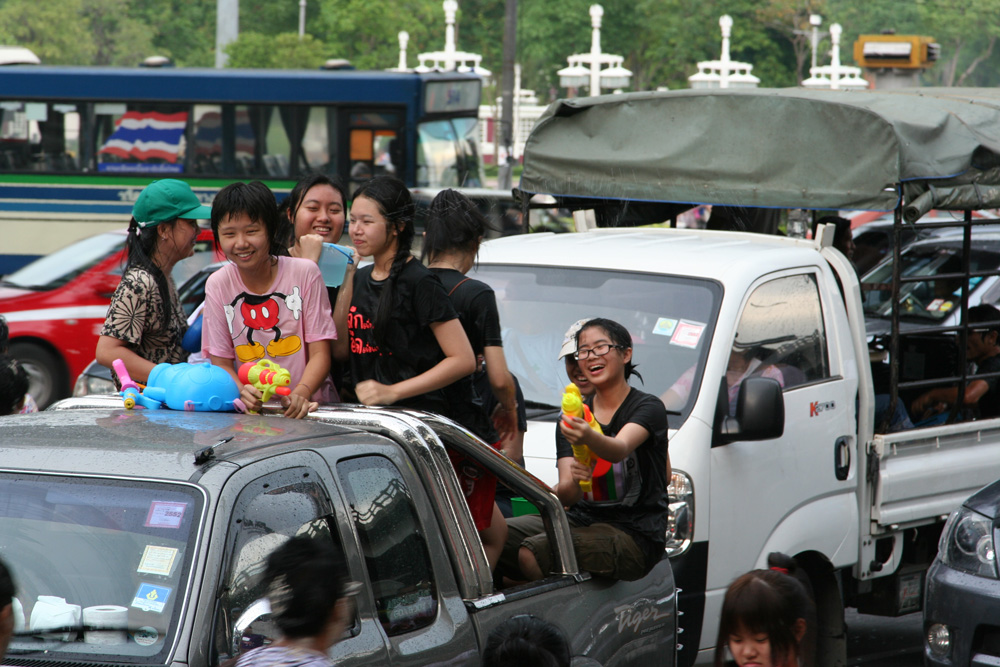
[760, 412]
[105, 284]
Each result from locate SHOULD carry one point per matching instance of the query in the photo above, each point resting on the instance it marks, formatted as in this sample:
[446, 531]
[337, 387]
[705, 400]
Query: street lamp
[585, 68]
[724, 72]
[835, 76]
[451, 59]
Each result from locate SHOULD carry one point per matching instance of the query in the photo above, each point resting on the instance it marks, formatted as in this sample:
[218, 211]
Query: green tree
[55, 31]
[183, 30]
[365, 31]
[285, 50]
[119, 39]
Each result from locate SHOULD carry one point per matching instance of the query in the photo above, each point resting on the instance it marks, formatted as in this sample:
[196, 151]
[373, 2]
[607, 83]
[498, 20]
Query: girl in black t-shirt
[405, 343]
[455, 228]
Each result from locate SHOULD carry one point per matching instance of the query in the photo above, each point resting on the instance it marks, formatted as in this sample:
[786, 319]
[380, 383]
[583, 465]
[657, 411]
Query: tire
[47, 380]
[831, 631]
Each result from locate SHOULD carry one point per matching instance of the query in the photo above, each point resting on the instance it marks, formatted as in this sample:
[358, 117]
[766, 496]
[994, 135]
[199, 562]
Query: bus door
[375, 145]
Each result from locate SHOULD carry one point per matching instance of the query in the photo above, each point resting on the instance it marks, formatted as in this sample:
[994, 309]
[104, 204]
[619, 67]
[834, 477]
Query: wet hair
[305, 578]
[768, 602]
[4, 335]
[395, 204]
[526, 640]
[7, 588]
[453, 223]
[140, 246]
[618, 334]
[257, 202]
[289, 207]
[984, 312]
[13, 385]
[842, 231]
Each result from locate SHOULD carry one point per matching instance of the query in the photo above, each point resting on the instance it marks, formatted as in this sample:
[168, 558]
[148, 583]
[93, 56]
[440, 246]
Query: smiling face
[601, 370]
[244, 242]
[321, 212]
[371, 233]
[177, 239]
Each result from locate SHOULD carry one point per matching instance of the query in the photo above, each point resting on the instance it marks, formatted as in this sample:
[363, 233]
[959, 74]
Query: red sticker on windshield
[165, 514]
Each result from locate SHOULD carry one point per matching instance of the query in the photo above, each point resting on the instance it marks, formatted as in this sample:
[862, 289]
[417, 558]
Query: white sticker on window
[165, 514]
[687, 334]
[157, 560]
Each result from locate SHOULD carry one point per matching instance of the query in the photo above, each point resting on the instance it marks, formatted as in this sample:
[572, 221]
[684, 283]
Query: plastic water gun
[190, 387]
[268, 377]
[572, 405]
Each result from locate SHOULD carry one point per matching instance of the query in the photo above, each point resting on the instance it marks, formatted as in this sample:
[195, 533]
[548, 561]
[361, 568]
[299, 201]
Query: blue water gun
[190, 387]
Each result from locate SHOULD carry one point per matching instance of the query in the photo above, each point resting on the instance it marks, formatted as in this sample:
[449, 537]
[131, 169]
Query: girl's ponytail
[396, 205]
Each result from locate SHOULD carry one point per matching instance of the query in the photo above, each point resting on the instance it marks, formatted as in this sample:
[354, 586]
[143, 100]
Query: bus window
[437, 155]
[276, 145]
[37, 136]
[144, 139]
[315, 141]
[207, 139]
[468, 134]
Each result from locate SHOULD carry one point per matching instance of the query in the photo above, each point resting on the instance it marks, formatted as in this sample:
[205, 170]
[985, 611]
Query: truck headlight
[967, 543]
[680, 514]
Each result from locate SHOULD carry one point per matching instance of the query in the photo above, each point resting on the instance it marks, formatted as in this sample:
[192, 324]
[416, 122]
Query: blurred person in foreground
[311, 603]
[525, 640]
[27, 404]
[6, 608]
[13, 387]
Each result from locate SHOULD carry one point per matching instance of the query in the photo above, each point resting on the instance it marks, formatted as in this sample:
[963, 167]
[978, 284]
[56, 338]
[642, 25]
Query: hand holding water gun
[266, 377]
[572, 405]
[130, 393]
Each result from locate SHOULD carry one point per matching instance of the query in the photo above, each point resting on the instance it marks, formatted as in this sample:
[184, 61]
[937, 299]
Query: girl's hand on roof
[372, 392]
[251, 398]
[297, 406]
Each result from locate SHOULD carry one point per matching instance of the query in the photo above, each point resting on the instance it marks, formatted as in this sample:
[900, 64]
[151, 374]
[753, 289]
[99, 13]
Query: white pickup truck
[789, 461]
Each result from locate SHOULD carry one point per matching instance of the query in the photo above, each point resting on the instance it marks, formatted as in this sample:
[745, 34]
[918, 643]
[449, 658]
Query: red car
[55, 307]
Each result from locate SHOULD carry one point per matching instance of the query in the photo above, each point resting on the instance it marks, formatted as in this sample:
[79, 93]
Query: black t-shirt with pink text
[420, 300]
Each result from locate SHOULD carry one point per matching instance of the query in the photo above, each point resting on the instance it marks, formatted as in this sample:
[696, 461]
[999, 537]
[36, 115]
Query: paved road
[878, 641]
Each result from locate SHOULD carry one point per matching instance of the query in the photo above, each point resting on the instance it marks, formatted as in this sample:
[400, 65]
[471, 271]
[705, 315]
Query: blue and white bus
[77, 145]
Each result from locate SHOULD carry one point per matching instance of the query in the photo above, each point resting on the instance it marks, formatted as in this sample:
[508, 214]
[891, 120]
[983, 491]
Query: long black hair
[289, 208]
[13, 387]
[453, 223]
[395, 204]
[257, 202]
[140, 246]
[618, 334]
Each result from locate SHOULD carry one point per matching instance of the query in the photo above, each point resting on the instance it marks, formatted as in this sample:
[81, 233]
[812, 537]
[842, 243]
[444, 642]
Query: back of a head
[7, 588]
[984, 312]
[523, 641]
[305, 577]
[842, 229]
[453, 224]
[13, 385]
[4, 335]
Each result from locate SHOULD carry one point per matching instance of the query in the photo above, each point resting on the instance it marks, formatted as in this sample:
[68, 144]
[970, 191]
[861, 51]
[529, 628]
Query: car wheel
[46, 372]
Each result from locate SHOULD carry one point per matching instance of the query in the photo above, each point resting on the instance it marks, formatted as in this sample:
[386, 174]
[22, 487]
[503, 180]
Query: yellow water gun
[572, 405]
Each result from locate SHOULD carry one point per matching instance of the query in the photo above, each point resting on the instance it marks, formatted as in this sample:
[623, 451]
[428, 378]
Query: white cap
[569, 340]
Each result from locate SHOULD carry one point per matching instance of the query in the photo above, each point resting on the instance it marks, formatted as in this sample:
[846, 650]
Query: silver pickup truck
[157, 524]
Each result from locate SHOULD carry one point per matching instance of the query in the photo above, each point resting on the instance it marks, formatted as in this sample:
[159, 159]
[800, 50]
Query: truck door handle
[842, 457]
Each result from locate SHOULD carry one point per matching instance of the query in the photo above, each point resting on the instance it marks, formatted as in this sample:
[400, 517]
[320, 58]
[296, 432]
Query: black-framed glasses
[596, 351]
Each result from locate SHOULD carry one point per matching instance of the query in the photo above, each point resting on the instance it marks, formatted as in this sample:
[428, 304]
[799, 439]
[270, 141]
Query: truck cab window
[781, 334]
[393, 543]
[268, 511]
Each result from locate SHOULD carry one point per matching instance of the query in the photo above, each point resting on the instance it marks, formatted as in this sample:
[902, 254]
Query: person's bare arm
[342, 345]
[458, 362]
[571, 473]
[502, 384]
[612, 449]
[298, 404]
[110, 348]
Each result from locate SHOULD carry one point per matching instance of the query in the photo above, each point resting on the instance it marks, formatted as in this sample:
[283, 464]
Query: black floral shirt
[138, 316]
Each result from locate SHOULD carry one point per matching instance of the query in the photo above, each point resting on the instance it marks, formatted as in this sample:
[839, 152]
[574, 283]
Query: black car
[962, 602]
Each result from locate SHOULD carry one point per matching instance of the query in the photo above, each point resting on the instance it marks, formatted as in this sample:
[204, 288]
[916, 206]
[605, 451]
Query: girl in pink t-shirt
[266, 306]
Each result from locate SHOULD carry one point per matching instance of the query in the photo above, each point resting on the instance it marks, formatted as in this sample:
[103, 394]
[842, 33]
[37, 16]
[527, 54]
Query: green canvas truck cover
[787, 148]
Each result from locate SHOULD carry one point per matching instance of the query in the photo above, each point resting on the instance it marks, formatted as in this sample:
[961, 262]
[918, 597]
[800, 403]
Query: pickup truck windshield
[933, 298]
[671, 320]
[97, 552]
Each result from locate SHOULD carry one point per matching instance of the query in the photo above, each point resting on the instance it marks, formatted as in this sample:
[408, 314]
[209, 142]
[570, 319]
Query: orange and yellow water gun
[572, 405]
[268, 377]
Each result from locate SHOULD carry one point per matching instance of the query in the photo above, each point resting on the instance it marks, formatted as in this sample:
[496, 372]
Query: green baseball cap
[162, 201]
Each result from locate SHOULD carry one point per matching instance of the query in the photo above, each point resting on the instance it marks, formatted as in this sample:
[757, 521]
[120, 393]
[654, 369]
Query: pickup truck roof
[786, 148]
[696, 253]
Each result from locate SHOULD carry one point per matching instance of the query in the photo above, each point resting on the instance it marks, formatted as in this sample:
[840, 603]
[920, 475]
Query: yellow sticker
[157, 560]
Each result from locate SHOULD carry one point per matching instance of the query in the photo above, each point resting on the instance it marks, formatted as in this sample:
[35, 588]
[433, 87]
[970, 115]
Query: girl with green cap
[145, 323]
